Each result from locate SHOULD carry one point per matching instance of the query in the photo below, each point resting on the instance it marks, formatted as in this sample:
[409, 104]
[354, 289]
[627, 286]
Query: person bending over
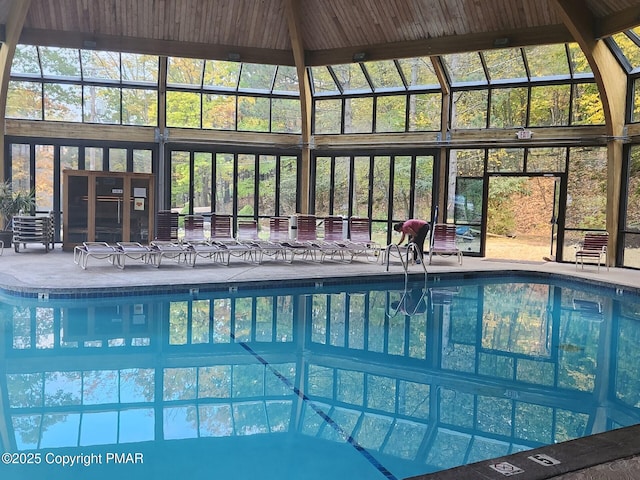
[416, 231]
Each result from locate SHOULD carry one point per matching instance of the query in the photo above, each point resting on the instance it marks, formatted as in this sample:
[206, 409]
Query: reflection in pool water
[357, 381]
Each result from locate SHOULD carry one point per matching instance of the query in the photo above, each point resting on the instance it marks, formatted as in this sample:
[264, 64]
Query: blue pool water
[367, 381]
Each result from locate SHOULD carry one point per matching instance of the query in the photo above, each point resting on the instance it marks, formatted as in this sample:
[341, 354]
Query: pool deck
[611, 455]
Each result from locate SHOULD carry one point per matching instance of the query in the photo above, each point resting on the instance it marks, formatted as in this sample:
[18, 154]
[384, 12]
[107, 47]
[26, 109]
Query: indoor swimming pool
[361, 380]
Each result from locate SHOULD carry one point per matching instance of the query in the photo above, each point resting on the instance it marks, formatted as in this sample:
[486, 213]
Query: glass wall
[38, 165]
[242, 184]
[385, 188]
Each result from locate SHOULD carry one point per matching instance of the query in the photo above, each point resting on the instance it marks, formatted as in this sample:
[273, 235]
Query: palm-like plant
[13, 203]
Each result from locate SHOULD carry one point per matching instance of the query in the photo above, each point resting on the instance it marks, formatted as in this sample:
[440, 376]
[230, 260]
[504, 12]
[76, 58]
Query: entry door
[522, 217]
[109, 208]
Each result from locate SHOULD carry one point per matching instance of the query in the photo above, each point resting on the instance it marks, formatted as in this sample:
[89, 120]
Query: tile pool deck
[609, 455]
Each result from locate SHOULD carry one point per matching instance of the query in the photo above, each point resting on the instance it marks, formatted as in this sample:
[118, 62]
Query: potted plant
[11, 204]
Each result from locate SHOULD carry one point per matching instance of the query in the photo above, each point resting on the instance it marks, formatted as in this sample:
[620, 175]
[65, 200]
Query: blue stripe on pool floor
[348, 438]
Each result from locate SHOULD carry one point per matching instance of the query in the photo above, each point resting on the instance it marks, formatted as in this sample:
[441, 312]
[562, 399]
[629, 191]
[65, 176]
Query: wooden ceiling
[320, 31]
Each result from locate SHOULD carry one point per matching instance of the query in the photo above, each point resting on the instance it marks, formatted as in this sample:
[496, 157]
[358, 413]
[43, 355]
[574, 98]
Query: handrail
[411, 248]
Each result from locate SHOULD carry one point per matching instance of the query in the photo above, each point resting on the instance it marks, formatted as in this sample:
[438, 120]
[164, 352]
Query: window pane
[636, 100]
[358, 115]
[323, 184]
[288, 185]
[101, 104]
[423, 187]
[224, 183]
[587, 188]
[68, 161]
[587, 105]
[100, 65]
[328, 116]
[286, 80]
[508, 107]
[139, 68]
[351, 77]
[117, 160]
[256, 76]
[60, 62]
[184, 71]
[467, 163]
[629, 49]
[390, 113]
[246, 184]
[547, 61]
[139, 107]
[285, 116]
[24, 100]
[253, 114]
[425, 112]
[219, 111]
[180, 181]
[25, 61]
[361, 186]
[341, 181]
[464, 68]
[202, 170]
[384, 75]
[20, 168]
[401, 188]
[93, 158]
[380, 196]
[579, 62]
[505, 64]
[550, 105]
[267, 185]
[63, 102]
[323, 81]
[419, 72]
[218, 73]
[183, 109]
[142, 161]
[469, 109]
[549, 159]
[506, 160]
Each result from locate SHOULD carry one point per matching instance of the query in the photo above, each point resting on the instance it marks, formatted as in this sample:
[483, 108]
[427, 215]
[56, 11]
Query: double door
[107, 207]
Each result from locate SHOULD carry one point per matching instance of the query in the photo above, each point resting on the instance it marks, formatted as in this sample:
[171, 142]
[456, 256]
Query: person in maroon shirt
[416, 231]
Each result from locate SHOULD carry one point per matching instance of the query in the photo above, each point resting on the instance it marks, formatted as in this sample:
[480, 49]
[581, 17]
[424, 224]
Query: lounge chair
[167, 226]
[204, 249]
[221, 229]
[194, 229]
[248, 235]
[443, 242]
[172, 250]
[137, 251]
[334, 243]
[100, 250]
[594, 246]
[306, 243]
[360, 238]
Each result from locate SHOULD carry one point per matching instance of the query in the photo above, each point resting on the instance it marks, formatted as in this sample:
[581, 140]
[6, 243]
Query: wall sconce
[359, 56]
[502, 42]
[233, 57]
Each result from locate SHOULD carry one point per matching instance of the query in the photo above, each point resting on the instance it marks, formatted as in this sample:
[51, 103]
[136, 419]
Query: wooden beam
[17, 13]
[617, 22]
[79, 131]
[611, 80]
[292, 11]
[56, 38]
[443, 45]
